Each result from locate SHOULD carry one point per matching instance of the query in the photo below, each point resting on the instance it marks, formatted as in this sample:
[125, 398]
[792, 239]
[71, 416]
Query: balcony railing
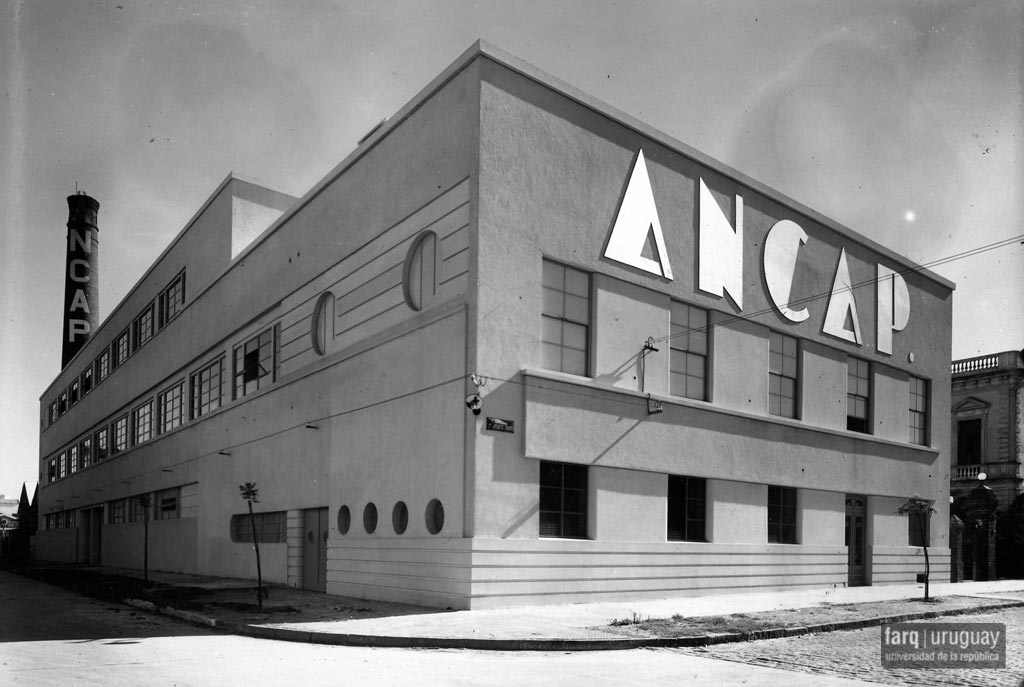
[1007, 360]
[991, 470]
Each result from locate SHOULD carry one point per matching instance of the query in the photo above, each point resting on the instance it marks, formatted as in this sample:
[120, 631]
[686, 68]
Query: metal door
[314, 549]
[856, 540]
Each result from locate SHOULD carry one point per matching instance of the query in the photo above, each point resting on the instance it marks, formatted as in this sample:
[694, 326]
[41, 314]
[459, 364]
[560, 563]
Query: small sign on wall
[499, 425]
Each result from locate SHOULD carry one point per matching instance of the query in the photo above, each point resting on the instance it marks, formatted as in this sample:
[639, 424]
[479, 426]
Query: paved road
[51, 637]
[855, 654]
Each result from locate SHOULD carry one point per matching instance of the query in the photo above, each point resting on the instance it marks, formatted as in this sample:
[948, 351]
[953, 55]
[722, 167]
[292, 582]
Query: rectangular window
[69, 519]
[73, 392]
[918, 411]
[968, 442]
[87, 377]
[120, 430]
[858, 395]
[172, 407]
[62, 403]
[206, 389]
[918, 529]
[85, 452]
[172, 299]
[565, 319]
[51, 471]
[72, 460]
[271, 528]
[102, 365]
[121, 348]
[137, 508]
[687, 508]
[166, 504]
[142, 423]
[688, 352]
[102, 445]
[51, 521]
[783, 374]
[563, 500]
[62, 462]
[115, 511]
[782, 515]
[256, 363]
[53, 412]
[143, 327]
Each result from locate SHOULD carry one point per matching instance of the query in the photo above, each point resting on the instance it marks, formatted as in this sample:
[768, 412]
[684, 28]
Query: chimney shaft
[81, 290]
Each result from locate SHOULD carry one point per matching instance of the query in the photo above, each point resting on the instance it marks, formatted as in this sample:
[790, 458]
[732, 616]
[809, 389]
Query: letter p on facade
[893, 306]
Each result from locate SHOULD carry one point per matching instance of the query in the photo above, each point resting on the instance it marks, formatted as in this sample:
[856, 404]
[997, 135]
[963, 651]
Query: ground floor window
[687, 508]
[918, 527]
[271, 528]
[782, 515]
[563, 500]
[166, 504]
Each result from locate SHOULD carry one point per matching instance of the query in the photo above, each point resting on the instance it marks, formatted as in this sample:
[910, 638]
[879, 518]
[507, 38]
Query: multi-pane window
[171, 407]
[255, 363]
[87, 376]
[102, 365]
[687, 508]
[72, 460]
[73, 392]
[172, 299]
[271, 528]
[102, 444]
[166, 504]
[121, 348]
[115, 511]
[142, 423]
[918, 411]
[563, 500]
[918, 528]
[783, 374]
[120, 438]
[206, 388]
[62, 403]
[138, 510]
[144, 326]
[858, 395]
[53, 412]
[688, 357]
[51, 471]
[85, 452]
[62, 463]
[565, 319]
[782, 515]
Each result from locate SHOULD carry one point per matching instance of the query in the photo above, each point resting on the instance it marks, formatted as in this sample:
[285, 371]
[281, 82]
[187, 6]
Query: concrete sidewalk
[587, 626]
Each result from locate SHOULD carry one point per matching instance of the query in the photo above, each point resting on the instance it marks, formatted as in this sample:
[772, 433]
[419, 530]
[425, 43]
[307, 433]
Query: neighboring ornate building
[987, 425]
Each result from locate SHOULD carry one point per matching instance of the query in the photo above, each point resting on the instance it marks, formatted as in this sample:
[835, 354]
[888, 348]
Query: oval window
[370, 518]
[322, 325]
[434, 516]
[419, 275]
[400, 517]
[344, 519]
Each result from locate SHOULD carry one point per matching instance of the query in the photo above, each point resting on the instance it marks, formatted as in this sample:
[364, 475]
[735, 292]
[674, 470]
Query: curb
[393, 642]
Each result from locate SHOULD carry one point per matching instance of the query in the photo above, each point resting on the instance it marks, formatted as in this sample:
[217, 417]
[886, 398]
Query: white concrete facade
[410, 278]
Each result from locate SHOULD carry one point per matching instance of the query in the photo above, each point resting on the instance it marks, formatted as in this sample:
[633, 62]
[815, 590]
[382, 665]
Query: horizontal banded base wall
[490, 573]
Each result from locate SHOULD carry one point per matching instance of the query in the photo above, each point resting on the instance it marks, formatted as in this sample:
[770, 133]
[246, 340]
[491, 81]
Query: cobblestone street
[856, 654]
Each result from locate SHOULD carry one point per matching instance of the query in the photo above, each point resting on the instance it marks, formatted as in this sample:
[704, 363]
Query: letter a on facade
[637, 224]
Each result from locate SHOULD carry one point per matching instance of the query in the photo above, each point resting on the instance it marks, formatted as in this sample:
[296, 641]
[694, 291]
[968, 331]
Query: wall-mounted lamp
[223, 453]
[166, 470]
[653, 406]
[982, 476]
[125, 482]
[474, 401]
[649, 345]
[311, 426]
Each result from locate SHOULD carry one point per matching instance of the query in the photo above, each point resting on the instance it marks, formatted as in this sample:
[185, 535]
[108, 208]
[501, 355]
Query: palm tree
[251, 495]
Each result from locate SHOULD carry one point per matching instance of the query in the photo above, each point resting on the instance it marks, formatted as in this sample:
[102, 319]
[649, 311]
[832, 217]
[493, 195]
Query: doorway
[90, 530]
[314, 549]
[856, 540]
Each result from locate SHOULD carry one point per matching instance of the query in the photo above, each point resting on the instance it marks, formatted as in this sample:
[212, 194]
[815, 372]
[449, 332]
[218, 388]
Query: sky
[901, 120]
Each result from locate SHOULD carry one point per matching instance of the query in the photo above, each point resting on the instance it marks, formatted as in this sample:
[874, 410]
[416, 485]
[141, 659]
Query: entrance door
[90, 528]
[856, 540]
[314, 549]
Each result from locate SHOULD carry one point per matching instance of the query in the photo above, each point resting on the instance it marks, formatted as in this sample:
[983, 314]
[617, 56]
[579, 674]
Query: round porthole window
[419, 274]
[400, 517]
[344, 519]
[322, 324]
[370, 518]
[434, 516]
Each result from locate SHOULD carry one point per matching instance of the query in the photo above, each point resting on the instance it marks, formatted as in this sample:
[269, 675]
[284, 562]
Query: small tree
[251, 495]
[919, 509]
[145, 500]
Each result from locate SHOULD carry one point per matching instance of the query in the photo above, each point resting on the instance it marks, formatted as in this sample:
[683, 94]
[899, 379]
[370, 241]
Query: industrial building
[518, 347]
